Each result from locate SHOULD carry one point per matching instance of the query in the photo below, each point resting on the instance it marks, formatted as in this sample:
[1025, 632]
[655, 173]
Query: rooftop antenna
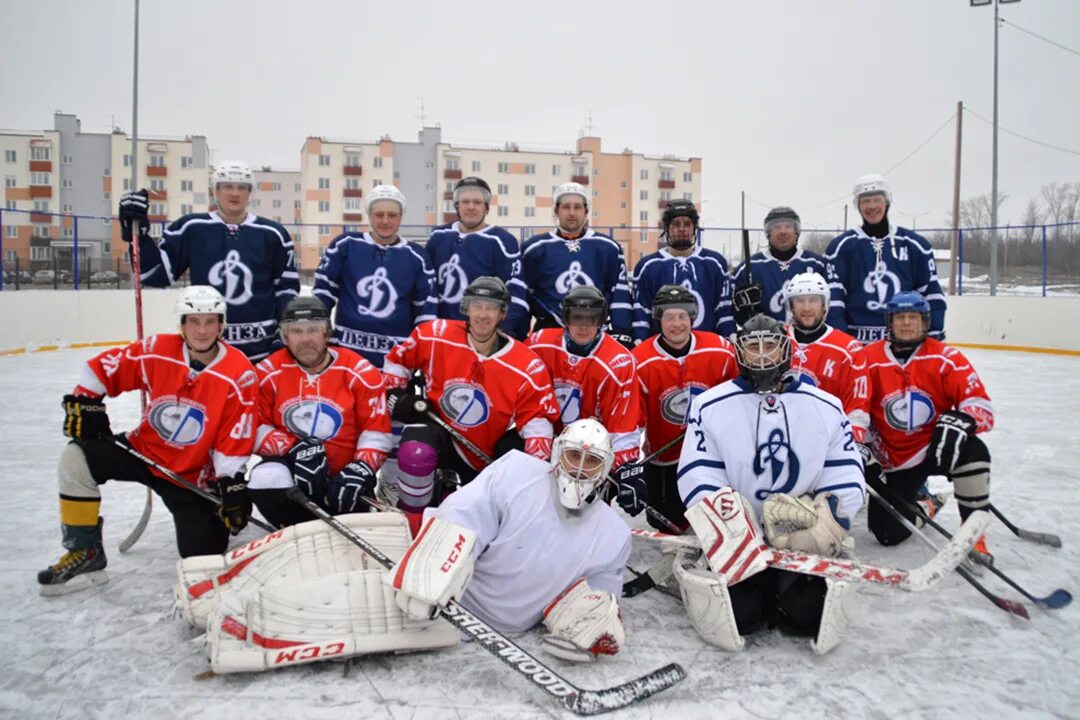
[420, 100]
[588, 123]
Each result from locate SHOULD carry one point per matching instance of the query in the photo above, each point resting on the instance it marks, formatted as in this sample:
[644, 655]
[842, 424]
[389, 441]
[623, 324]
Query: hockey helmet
[674, 297]
[570, 188]
[305, 307]
[472, 183]
[234, 171]
[873, 184]
[807, 284]
[385, 192]
[902, 302]
[199, 300]
[763, 352]
[585, 299]
[486, 288]
[679, 208]
[782, 214]
[581, 459]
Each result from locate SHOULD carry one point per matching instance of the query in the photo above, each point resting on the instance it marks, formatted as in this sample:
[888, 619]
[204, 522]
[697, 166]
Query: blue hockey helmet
[908, 301]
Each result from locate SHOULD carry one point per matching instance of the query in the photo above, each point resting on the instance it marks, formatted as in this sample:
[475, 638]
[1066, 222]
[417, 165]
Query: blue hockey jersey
[703, 272]
[773, 275]
[864, 273]
[457, 259]
[252, 265]
[381, 292]
[552, 265]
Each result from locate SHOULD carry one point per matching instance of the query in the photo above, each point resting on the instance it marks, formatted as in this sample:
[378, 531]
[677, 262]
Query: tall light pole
[994, 169]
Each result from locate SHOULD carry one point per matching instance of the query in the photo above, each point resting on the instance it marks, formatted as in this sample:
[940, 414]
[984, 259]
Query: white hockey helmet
[234, 171]
[570, 188]
[199, 300]
[873, 184]
[385, 192]
[806, 284]
[581, 458]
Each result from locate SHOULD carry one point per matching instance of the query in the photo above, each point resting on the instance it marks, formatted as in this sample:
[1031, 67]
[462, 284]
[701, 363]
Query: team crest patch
[568, 395]
[312, 418]
[675, 402]
[908, 410]
[465, 403]
[178, 421]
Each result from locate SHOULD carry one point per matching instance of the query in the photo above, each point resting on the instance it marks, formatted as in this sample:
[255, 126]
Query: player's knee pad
[707, 601]
[417, 461]
[74, 476]
[971, 477]
[270, 474]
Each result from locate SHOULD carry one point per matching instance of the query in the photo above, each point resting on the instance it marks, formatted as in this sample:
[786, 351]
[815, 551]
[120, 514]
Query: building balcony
[159, 194]
[353, 217]
[158, 218]
[451, 174]
[662, 204]
[352, 170]
[352, 192]
[41, 191]
[666, 184]
[41, 218]
[448, 195]
[41, 166]
[448, 217]
[580, 179]
[157, 171]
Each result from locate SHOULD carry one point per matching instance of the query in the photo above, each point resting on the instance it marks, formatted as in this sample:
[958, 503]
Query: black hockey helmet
[674, 296]
[585, 298]
[779, 213]
[305, 308]
[679, 208]
[472, 182]
[488, 288]
[763, 352]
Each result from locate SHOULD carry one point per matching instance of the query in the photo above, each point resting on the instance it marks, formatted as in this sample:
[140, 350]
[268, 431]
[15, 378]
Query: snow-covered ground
[118, 650]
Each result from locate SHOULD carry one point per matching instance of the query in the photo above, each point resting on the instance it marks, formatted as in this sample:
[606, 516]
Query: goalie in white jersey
[765, 445]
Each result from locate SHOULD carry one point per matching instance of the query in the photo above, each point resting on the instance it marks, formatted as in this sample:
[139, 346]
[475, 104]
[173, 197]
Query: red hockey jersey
[834, 362]
[905, 400]
[199, 424]
[601, 385]
[344, 406]
[668, 384]
[480, 397]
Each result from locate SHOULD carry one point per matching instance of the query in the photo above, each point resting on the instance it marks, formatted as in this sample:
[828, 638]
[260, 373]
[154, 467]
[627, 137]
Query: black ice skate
[75, 570]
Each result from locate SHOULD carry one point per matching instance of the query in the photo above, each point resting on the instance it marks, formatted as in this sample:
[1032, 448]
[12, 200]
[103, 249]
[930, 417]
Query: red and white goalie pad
[583, 623]
[293, 554]
[730, 537]
[435, 569]
[324, 618]
[804, 524]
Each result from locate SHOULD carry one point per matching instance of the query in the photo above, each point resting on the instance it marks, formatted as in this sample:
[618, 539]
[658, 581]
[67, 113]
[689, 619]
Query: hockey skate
[979, 556]
[75, 570]
[930, 505]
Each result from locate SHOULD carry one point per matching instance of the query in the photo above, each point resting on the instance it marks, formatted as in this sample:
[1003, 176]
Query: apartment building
[278, 196]
[31, 184]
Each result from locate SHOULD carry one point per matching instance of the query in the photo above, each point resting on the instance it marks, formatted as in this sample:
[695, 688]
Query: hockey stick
[421, 405]
[1044, 538]
[1054, 601]
[917, 579]
[577, 700]
[663, 448]
[746, 255]
[204, 494]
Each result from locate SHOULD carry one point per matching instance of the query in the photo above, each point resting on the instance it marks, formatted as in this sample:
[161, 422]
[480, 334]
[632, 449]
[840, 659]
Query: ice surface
[118, 651]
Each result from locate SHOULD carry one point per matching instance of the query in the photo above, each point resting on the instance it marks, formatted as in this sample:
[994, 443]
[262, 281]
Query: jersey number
[242, 428]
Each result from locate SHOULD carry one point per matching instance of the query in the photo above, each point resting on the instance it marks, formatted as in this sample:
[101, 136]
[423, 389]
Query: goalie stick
[1039, 537]
[917, 579]
[577, 700]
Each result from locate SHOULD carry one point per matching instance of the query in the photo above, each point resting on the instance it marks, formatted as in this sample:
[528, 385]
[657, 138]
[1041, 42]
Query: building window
[187, 161]
[376, 162]
[66, 207]
[429, 164]
[158, 209]
[157, 185]
[324, 229]
[275, 187]
[156, 161]
[127, 160]
[622, 206]
[530, 169]
[67, 232]
[107, 172]
[530, 212]
[296, 205]
[354, 160]
[448, 206]
[503, 211]
[353, 204]
[595, 172]
[185, 208]
[644, 174]
[324, 206]
[376, 182]
[9, 181]
[504, 167]
[666, 175]
[187, 186]
[40, 153]
[530, 190]
[476, 166]
[66, 159]
[504, 189]
[644, 236]
[688, 196]
[9, 204]
[296, 187]
[127, 184]
[556, 170]
[644, 217]
[41, 206]
[324, 161]
[39, 178]
[277, 204]
[688, 176]
[324, 183]
[644, 194]
[452, 164]
[352, 183]
[11, 231]
[665, 195]
[9, 156]
[40, 252]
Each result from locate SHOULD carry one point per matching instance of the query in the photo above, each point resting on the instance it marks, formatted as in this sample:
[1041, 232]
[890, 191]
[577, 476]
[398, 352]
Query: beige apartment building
[278, 196]
[32, 185]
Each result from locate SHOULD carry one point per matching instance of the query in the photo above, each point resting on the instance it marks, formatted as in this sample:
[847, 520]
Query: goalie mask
[581, 459]
[763, 352]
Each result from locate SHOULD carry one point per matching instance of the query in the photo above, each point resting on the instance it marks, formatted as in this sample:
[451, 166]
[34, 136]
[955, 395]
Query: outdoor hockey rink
[119, 651]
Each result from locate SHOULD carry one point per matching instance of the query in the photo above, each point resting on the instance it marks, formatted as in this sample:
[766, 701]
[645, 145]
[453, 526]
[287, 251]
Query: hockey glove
[134, 207]
[746, 301]
[947, 443]
[85, 418]
[806, 525]
[308, 462]
[354, 480]
[630, 479]
[401, 404]
[727, 527]
[235, 504]
[583, 623]
[624, 338]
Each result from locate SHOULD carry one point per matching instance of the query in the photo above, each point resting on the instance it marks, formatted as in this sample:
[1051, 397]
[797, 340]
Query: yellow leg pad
[79, 511]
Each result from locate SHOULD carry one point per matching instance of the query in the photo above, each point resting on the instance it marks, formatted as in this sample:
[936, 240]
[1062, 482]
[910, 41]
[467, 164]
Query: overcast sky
[787, 100]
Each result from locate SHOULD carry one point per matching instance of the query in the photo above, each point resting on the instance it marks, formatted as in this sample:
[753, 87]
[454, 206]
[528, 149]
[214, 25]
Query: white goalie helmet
[873, 184]
[234, 171]
[199, 300]
[570, 188]
[385, 192]
[581, 458]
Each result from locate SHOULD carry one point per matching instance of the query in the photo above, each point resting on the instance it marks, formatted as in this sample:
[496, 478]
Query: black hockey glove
[625, 339]
[354, 480]
[871, 468]
[402, 405]
[235, 504]
[134, 207]
[307, 459]
[947, 443]
[746, 301]
[630, 479]
[85, 418]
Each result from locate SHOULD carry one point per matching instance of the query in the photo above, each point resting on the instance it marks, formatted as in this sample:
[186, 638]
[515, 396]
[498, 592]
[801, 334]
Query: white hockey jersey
[797, 442]
[530, 548]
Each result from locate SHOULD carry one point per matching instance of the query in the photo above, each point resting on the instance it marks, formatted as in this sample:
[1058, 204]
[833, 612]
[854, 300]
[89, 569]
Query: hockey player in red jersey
[927, 407]
[485, 385]
[672, 368]
[322, 421]
[594, 376]
[824, 356]
[198, 423]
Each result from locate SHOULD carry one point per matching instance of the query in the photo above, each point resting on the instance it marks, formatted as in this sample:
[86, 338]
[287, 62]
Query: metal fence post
[1044, 261]
[75, 253]
[960, 261]
[2, 253]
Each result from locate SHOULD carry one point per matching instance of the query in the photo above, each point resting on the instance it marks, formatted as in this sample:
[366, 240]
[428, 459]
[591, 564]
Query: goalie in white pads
[527, 541]
[763, 445]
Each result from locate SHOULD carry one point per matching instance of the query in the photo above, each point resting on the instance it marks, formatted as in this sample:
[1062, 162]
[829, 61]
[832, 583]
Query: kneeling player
[756, 447]
[480, 383]
[927, 406]
[198, 424]
[322, 421]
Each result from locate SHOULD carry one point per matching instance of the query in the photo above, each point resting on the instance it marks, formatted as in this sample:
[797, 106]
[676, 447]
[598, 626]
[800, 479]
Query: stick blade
[1043, 538]
[595, 702]
[140, 527]
[926, 576]
[1056, 600]
[1011, 606]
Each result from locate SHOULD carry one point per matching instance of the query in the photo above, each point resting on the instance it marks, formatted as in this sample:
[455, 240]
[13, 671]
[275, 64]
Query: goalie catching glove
[727, 527]
[435, 569]
[806, 524]
[583, 623]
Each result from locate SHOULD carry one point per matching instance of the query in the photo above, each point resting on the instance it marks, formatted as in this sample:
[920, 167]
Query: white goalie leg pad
[326, 618]
[583, 623]
[307, 550]
[436, 568]
[836, 615]
[707, 601]
[727, 527]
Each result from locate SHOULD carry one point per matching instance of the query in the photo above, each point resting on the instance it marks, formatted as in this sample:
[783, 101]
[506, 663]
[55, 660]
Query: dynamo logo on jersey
[380, 294]
[675, 403]
[571, 278]
[908, 410]
[465, 404]
[452, 280]
[776, 459]
[177, 422]
[312, 418]
[569, 398]
[232, 278]
[882, 283]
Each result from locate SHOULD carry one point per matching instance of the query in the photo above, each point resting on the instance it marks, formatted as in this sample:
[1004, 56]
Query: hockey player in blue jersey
[469, 248]
[572, 254]
[380, 282]
[765, 446]
[683, 262]
[248, 259]
[773, 267]
[867, 266]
